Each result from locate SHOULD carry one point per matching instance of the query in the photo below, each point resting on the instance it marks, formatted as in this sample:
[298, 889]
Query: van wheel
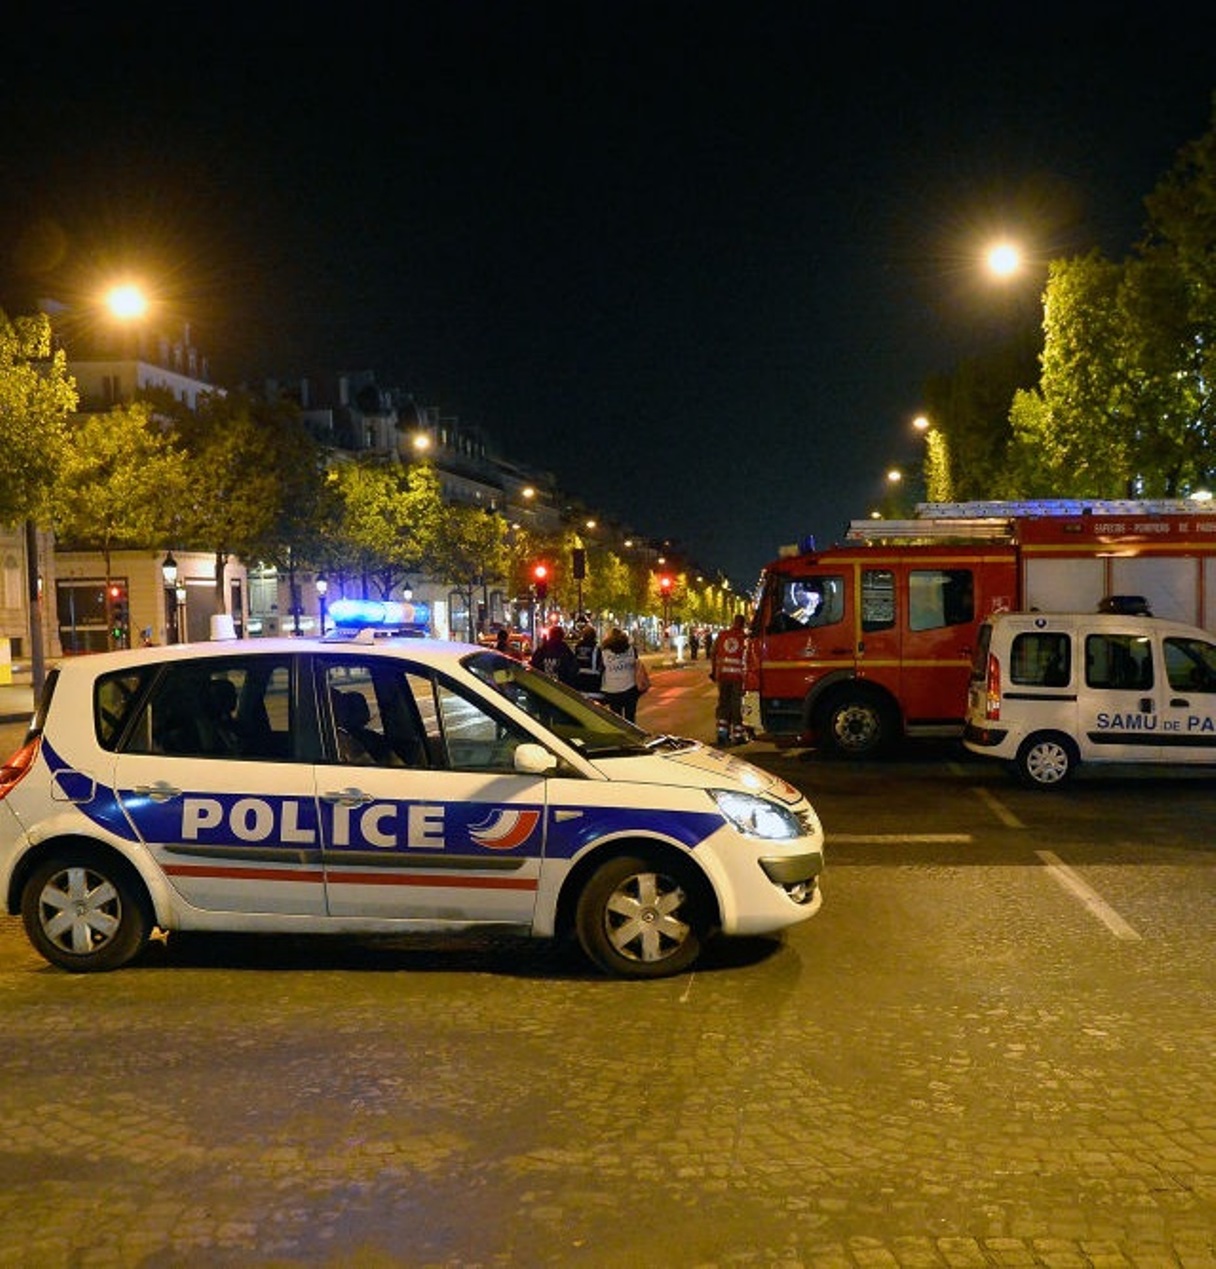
[84, 914]
[639, 919]
[1046, 760]
[857, 725]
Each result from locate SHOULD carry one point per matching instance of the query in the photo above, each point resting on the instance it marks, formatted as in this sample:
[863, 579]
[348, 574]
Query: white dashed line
[998, 808]
[1090, 898]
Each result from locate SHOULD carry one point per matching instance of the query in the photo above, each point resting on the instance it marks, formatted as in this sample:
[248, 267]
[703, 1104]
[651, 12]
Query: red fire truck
[856, 645]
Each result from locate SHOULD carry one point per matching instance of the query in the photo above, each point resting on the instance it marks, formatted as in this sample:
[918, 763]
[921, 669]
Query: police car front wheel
[640, 919]
[85, 915]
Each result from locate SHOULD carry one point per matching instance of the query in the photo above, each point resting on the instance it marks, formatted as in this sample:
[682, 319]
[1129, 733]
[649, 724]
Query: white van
[1049, 691]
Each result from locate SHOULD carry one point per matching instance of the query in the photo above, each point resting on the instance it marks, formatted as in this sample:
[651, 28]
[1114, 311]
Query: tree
[120, 479]
[1125, 405]
[254, 471]
[36, 397]
[471, 550]
[387, 522]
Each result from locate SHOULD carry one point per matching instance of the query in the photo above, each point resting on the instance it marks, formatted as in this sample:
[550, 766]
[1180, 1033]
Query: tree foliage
[254, 478]
[119, 483]
[36, 397]
[1124, 406]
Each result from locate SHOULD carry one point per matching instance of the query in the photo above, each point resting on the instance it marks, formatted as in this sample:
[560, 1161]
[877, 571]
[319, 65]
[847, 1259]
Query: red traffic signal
[665, 584]
[540, 580]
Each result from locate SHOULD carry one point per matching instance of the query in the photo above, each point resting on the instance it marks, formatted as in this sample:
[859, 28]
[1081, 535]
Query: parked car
[1050, 691]
[373, 785]
[519, 642]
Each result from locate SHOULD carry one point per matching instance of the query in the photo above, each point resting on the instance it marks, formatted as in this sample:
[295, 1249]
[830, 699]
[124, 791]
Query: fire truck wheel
[857, 724]
[1046, 760]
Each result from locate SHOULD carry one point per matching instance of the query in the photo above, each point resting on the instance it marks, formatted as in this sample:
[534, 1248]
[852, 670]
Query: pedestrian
[554, 658]
[502, 641]
[709, 643]
[590, 666]
[693, 644]
[727, 669]
[619, 682]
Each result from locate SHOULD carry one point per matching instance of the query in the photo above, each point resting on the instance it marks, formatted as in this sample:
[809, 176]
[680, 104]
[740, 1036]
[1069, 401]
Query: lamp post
[322, 585]
[169, 572]
[180, 595]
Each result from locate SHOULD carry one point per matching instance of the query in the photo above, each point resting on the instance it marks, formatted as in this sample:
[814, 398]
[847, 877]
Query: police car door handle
[161, 791]
[347, 797]
[1179, 702]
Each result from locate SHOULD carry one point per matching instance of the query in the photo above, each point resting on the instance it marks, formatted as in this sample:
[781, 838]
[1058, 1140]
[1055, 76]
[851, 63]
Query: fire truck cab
[854, 646]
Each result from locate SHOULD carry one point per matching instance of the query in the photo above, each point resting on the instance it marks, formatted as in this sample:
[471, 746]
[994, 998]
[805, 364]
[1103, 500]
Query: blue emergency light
[379, 614]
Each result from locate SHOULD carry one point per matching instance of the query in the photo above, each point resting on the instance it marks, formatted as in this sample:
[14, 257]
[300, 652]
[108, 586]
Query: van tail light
[18, 766]
[992, 705]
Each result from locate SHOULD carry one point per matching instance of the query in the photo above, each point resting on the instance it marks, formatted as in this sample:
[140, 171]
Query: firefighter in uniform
[726, 669]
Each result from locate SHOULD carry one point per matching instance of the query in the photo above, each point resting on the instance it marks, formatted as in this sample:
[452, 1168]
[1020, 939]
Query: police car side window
[471, 737]
[374, 716]
[115, 698]
[231, 707]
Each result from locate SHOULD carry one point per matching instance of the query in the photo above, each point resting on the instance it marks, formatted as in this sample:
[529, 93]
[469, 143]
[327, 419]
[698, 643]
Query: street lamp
[1003, 259]
[322, 585]
[169, 571]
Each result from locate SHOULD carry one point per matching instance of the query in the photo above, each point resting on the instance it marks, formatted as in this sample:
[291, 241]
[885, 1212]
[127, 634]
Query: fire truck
[854, 646]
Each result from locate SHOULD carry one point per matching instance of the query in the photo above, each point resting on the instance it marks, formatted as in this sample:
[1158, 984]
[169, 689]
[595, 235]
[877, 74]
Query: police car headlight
[757, 817]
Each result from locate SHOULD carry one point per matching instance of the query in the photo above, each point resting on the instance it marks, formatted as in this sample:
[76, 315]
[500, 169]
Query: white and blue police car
[371, 785]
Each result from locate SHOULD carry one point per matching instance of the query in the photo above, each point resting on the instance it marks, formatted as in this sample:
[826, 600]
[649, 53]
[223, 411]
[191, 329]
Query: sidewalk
[17, 697]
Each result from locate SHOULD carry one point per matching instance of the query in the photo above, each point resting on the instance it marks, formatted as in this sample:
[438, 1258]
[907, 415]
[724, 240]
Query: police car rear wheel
[1046, 761]
[640, 920]
[84, 915]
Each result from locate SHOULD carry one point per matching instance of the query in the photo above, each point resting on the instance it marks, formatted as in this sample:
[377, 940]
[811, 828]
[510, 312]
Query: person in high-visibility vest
[727, 669]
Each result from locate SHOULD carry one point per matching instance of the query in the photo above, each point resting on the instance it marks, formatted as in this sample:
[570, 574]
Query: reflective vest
[728, 655]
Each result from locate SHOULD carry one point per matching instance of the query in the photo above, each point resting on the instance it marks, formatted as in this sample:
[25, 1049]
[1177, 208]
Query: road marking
[898, 839]
[998, 808]
[1090, 898]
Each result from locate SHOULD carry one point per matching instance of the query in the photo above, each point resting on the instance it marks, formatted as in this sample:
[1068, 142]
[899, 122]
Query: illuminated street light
[921, 423]
[894, 476]
[127, 302]
[1003, 259]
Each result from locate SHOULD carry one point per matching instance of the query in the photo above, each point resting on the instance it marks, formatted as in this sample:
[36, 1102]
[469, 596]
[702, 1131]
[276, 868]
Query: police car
[1050, 691]
[378, 786]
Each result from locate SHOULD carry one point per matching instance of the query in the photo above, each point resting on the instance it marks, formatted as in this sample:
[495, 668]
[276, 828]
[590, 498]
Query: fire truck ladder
[994, 521]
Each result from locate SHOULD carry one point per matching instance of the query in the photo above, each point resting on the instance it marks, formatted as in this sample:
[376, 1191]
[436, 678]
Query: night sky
[696, 259]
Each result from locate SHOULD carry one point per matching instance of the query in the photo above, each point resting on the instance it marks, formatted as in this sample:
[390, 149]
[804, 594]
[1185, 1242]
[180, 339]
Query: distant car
[376, 786]
[519, 644]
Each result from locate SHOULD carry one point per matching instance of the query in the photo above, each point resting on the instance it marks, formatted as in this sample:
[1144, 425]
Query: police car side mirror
[534, 760]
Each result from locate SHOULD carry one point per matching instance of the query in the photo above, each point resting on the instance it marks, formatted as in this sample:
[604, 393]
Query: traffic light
[540, 580]
[120, 617]
[665, 585]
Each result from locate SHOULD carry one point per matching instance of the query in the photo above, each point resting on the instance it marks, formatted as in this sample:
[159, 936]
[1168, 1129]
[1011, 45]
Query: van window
[1041, 658]
[804, 603]
[940, 597]
[1119, 661]
[1190, 665]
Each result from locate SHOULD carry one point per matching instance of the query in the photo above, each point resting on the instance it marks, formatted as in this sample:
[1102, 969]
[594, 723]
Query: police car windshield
[595, 731]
